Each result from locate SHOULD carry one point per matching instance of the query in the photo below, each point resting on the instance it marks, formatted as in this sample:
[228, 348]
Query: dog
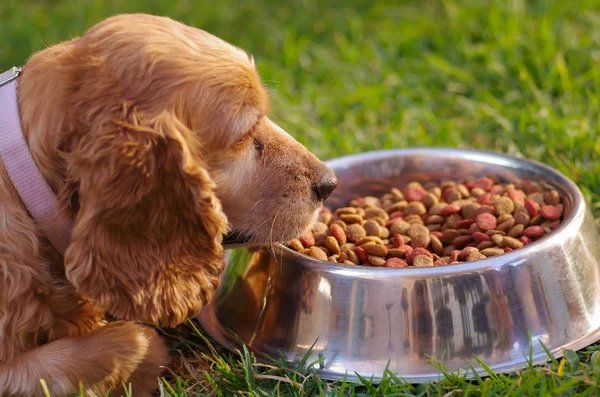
[155, 138]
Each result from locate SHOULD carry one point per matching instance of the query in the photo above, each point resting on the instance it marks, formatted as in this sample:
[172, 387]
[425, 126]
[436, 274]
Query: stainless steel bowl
[362, 319]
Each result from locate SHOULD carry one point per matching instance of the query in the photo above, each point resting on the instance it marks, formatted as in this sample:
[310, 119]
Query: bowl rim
[513, 258]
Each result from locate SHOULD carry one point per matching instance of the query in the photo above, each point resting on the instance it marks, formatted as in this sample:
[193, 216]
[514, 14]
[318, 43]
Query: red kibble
[397, 241]
[469, 185]
[424, 217]
[507, 249]
[325, 210]
[410, 256]
[516, 196]
[534, 231]
[461, 241]
[392, 221]
[485, 199]
[532, 207]
[481, 237]
[551, 212]
[525, 240]
[472, 244]
[486, 221]
[554, 225]
[437, 234]
[395, 263]
[465, 224]
[362, 255]
[449, 210]
[396, 215]
[454, 256]
[484, 183]
[415, 194]
[307, 240]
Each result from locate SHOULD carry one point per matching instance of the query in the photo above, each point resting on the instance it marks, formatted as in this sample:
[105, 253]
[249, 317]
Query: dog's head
[169, 147]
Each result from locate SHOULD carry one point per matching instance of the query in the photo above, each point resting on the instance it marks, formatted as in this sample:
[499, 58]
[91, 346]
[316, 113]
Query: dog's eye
[257, 145]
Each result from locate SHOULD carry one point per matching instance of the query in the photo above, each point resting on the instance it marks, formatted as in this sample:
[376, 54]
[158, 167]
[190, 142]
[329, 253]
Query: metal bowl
[363, 319]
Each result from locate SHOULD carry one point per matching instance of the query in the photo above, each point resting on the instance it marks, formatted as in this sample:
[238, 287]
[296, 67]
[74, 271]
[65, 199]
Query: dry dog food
[435, 224]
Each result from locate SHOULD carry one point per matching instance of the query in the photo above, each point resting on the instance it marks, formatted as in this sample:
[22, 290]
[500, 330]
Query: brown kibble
[435, 219]
[317, 253]
[522, 218]
[495, 231]
[516, 230]
[345, 210]
[462, 189]
[504, 205]
[506, 225]
[436, 209]
[511, 242]
[399, 252]
[477, 192]
[421, 240]
[397, 194]
[340, 223]
[355, 232]
[492, 251]
[332, 245]
[536, 220]
[333, 258]
[434, 228]
[498, 239]
[399, 206]
[429, 199]
[349, 263]
[449, 235]
[371, 213]
[453, 220]
[369, 239]
[372, 228]
[503, 218]
[416, 229]
[376, 260]
[320, 228]
[422, 261]
[347, 247]
[469, 211]
[552, 197]
[296, 245]
[350, 219]
[436, 245]
[485, 244]
[372, 248]
[352, 257]
[400, 227]
[475, 256]
[415, 208]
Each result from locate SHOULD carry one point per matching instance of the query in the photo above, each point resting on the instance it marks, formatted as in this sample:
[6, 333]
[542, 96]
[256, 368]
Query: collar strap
[36, 194]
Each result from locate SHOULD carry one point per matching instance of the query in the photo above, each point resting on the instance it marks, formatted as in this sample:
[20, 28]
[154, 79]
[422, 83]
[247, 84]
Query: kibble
[434, 224]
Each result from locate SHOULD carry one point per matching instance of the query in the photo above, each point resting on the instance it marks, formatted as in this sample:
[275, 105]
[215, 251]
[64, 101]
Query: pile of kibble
[435, 224]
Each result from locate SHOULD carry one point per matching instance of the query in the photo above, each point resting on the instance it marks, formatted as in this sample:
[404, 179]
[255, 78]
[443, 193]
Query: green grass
[349, 76]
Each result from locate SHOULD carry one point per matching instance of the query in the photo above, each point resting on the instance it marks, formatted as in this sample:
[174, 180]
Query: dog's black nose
[325, 187]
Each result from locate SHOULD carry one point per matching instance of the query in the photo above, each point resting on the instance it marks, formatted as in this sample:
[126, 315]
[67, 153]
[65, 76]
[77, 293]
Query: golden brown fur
[156, 139]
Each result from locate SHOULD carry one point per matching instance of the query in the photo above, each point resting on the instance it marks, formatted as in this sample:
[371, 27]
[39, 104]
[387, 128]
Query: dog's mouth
[236, 238]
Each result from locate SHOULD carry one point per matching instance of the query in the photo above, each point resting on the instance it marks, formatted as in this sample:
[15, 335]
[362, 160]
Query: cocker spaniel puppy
[155, 138]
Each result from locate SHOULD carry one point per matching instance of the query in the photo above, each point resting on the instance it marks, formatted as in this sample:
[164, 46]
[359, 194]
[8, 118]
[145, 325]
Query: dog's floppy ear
[146, 245]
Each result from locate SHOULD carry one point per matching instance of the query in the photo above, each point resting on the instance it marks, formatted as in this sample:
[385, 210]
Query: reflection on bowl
[362, 319]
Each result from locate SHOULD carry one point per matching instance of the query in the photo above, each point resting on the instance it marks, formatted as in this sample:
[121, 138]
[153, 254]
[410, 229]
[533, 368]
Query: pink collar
[38, 197]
